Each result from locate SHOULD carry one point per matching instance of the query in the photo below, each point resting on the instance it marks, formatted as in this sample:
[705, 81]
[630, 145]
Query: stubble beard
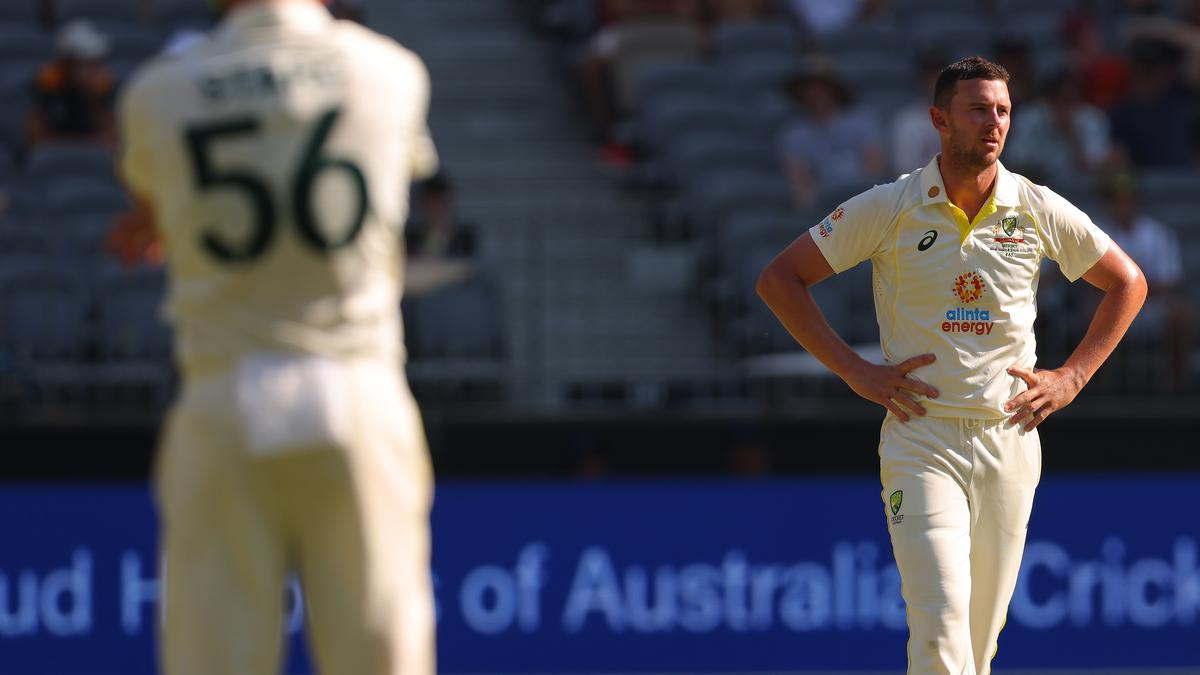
[969, 158]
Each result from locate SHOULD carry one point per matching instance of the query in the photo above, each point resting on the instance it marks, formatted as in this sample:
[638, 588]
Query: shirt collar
[933, 190]
[292, 13]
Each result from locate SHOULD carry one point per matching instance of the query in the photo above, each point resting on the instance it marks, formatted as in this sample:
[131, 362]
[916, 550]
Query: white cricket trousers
[957, 496]
[352, 521]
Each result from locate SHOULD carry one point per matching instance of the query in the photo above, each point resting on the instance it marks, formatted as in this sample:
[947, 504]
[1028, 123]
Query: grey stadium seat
[66, 197]
[24, 249]
[696, 153]
[7, 167]
[761, 72]
[658, 80]
[133, 41]
[757, 331]
[1037, 26]
[459, 322]
[19, 11]
[132, 342]
[644, 43]
[745, 231]
[731, 39]
[1182, 216]
[763, 225]
[955, 32]
[79, 238]
[24, 41]
[128, 307]
[873, 69]
[868, 38]
[772, 111]
[718, 194]
[12, 121]
[51, 160]
[674, 117]
[102, 12]
[43, 326]
[1168, 185]
[17, 73]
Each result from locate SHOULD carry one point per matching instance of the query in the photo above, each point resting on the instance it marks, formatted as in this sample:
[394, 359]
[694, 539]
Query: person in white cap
[270, 163]
[74, 92]
[956, 249]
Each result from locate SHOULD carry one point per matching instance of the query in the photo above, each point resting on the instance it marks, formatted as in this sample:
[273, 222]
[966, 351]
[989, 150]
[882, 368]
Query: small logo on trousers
[896, 500]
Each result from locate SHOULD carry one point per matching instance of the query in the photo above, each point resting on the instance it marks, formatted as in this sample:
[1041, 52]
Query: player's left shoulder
[149, 81]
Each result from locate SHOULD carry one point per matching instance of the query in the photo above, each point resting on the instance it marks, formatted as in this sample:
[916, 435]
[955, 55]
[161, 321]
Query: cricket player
[956, 247]
[273, 156]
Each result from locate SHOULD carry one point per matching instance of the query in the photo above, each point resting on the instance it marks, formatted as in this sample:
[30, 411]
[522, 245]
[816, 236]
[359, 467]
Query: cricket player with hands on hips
[270, 163]
[956, 248]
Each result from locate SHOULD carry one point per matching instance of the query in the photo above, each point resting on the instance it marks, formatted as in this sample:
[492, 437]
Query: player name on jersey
[261, 81]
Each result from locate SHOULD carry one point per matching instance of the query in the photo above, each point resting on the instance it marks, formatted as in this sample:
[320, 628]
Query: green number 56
[200, 139]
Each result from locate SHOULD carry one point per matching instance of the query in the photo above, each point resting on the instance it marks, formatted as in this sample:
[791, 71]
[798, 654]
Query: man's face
[976, 124]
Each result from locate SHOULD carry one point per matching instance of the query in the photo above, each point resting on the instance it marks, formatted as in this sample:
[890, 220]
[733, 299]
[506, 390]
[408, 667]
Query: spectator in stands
[1103, 76]
[1164, 319]
[1154, 125]
[73, 93]
[1059, 134]
[914, 139]
[819, 17]
[1182, 33]
[830, 141]
[631, 32]
[440, 247]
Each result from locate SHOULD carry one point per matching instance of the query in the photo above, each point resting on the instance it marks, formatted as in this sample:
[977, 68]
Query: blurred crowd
[1115, 87]
[1106, 108]
[66, 306]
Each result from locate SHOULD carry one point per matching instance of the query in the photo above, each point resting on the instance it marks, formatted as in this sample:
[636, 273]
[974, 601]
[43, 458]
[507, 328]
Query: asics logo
[927, 240]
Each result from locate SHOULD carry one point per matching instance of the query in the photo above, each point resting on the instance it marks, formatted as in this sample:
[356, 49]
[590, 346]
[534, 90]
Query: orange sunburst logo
[969, 287]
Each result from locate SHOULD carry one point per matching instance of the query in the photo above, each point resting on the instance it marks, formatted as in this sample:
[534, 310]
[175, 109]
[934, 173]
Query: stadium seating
[104, 13]
[44, 316]
[19, 11]
[53, 160]
[133, 344]
[736, 40]
[704, 113]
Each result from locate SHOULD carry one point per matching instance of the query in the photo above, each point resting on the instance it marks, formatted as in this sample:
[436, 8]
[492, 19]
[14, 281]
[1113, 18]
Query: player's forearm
[1114, 314]
[794, 306]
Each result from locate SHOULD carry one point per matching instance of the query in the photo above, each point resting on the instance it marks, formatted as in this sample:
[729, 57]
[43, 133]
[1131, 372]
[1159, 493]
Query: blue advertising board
[650, 577]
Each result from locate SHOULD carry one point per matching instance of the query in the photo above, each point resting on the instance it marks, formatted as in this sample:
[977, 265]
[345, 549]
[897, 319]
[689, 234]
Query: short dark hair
[970, 68]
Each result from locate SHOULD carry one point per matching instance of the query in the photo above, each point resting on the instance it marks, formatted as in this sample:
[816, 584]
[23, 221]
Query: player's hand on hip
[1048, 391]
[892, 387]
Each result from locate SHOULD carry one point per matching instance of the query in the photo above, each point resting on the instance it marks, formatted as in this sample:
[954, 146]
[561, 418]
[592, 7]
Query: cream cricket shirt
[963, 291]
[277, 154]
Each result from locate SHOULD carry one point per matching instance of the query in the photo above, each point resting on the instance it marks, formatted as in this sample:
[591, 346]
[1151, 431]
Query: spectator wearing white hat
[74, 91]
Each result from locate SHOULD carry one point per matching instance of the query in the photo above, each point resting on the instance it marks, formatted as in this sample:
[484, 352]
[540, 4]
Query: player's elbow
[770, 282]
[1136, 282]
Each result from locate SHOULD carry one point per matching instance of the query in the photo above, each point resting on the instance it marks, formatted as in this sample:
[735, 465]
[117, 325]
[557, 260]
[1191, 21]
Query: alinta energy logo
[968, 289]
[826, 228]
